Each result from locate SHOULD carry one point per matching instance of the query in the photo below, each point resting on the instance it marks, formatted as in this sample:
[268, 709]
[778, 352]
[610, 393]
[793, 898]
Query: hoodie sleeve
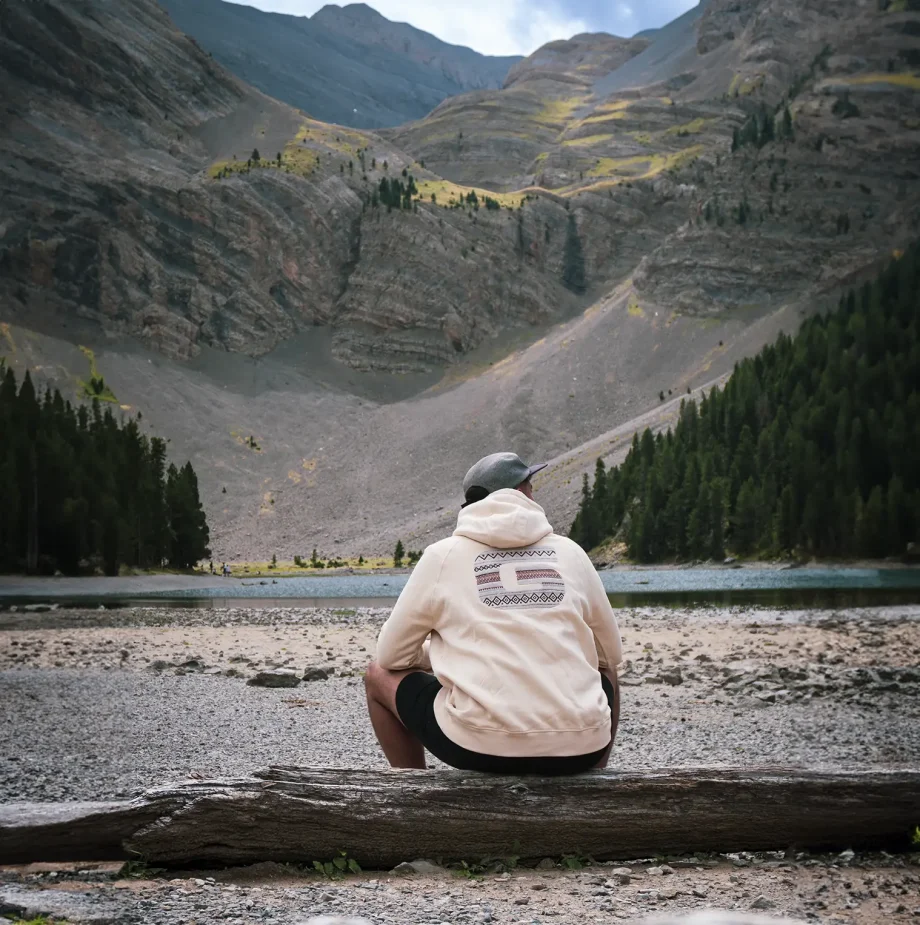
[400, 644]
[600, 617]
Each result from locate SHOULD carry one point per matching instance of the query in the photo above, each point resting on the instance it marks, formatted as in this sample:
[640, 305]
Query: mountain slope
[228, 300]
[812, 447]
[467, 69]
[129, 202]
[345, 65]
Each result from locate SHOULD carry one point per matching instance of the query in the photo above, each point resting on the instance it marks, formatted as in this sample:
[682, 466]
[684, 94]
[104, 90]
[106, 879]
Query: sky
[509, 27]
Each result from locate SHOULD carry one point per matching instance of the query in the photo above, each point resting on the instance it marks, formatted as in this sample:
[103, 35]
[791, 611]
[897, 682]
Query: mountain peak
[581, 59]
[354, 11]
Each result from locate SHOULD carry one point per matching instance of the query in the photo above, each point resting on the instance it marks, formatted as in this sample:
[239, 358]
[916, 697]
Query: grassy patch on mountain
[334, 137]
[624, 166]
[95, 386]
[745, 86]
[587, 141]
[7, 334]
[910, 81]
[694, 127]
[616, 106]
[603, 120]
[445, 190]
[558, 112]
[611, 171]
[634, 309]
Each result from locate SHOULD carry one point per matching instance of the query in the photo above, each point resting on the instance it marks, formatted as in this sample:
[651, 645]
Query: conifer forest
[83, 491]
[813, 446]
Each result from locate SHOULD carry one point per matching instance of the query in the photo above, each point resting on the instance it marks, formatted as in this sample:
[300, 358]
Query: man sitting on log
[501, 652]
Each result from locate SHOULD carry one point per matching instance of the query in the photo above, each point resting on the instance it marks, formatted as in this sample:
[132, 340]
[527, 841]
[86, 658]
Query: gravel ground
[102, 704]
[165, 693]
[846, 890]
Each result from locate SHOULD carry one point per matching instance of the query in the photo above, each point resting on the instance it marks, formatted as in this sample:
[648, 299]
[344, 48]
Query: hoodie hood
[506, 519]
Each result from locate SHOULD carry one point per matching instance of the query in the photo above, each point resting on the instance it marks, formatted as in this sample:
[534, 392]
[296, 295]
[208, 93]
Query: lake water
[720, 587]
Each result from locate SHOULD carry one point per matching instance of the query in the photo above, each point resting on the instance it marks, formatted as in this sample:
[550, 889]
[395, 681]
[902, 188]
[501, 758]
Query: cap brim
[533, 470]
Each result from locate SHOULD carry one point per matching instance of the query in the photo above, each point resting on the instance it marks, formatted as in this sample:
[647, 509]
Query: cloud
[493, 27]
[510, 27]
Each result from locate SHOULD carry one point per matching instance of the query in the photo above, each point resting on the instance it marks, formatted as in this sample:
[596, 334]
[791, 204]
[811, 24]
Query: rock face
[723, 21]
[110, 214]
[772, 163]
[580, 60]
[502, 139]
[133, 230]
[363, 70]
[467, 69]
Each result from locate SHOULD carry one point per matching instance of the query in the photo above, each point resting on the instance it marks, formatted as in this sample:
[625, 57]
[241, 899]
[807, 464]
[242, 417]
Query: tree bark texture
[383, 817]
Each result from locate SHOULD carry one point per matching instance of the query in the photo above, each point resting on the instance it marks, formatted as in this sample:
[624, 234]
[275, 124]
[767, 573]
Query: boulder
[315, 674]
[278, 677]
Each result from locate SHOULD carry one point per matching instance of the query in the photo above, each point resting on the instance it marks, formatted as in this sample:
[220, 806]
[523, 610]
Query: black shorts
[415, 704]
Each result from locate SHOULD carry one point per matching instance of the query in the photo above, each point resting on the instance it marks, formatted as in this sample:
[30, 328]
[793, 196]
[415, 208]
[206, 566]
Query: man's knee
[373, 675]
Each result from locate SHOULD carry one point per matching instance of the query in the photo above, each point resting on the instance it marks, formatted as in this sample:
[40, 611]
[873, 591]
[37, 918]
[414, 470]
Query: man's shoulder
[441, 548]
[563, 542]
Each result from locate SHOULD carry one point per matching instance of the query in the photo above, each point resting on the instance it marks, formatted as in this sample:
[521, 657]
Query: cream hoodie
[519, 623]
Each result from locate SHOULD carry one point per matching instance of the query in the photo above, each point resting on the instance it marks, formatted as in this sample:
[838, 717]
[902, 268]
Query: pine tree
[573, 259]
[398, 554]
[870, 526]
[188, 527]
[744, 520]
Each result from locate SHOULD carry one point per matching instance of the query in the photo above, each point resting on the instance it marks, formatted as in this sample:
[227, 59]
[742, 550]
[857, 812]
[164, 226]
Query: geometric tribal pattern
[519, 578]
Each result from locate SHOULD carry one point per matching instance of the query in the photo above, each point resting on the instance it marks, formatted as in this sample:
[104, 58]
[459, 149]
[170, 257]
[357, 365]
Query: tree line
[395, 194]
[813, 446]
[82, 490]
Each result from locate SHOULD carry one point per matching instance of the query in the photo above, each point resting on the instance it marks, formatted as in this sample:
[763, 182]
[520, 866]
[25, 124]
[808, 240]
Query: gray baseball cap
[500, 470]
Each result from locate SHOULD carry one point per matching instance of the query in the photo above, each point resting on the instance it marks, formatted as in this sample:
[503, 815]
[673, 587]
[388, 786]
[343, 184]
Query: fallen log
[383, 817]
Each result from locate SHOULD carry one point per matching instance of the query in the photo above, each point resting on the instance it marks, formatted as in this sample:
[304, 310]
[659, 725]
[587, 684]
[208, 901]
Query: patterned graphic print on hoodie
[518, 623]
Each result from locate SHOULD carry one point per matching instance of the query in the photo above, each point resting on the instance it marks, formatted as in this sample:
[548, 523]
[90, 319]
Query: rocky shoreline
[169, 694]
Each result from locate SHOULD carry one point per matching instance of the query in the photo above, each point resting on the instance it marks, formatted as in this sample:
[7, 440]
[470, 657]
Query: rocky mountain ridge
[347, 65]
[163, 227]
[467, 69]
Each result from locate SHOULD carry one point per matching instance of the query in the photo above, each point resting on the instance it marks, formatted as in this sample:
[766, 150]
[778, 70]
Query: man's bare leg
[401, 748]
[611, 675]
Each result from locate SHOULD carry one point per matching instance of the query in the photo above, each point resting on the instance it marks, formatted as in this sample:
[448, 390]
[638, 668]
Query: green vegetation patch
[588, 141]
[446, 191]
[694, 127]
[38, 920]
[643, 166]
[7, 333]
[634, 309]
[558, 112]
[642, 138]
[910, 81]
[745, 86]
[601, 119]
[95, 387]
